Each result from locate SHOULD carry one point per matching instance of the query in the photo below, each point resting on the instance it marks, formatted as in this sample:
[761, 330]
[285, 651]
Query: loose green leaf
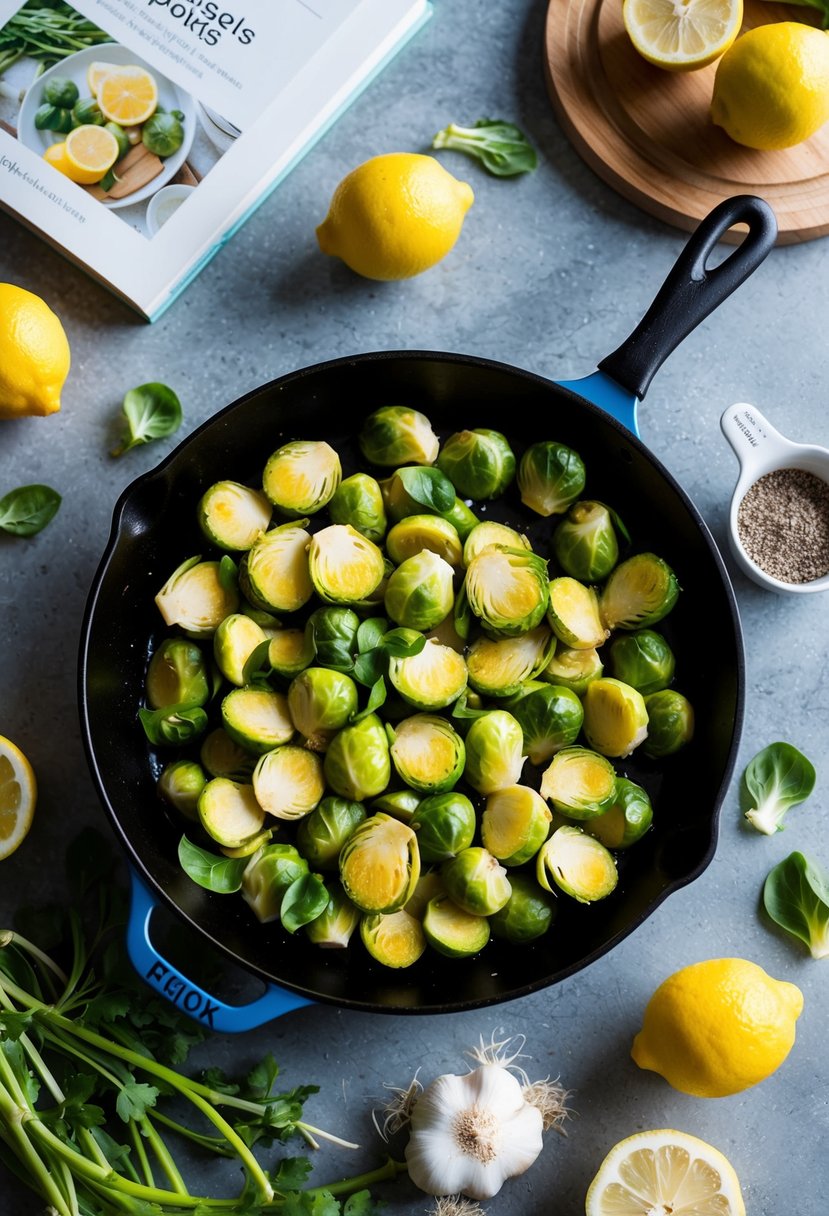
[216, 1079]
[13, 1025]
[261, 1079]
[464, 712]
[305, 900]
[134, 1099]
[152, 411]
[427, 486]
[376, 698]
[28, 509]
[258, 666]
[776, 779]
[370, 667]
[291, 1174]
[501, 147]
[173, 723]
[402, 643]
[370, 633]
[220, 874]
[796, 897]
[228, 573]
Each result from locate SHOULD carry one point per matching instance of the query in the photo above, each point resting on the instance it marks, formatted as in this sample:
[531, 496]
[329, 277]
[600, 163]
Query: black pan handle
[691, 291]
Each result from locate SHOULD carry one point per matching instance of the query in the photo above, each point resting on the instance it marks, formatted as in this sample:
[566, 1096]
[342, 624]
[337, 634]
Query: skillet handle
[168, 981]
[691, 291]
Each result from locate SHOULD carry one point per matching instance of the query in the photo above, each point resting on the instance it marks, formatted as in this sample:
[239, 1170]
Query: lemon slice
[128, 96]
[96, 72]
[662, 1172]
[682, 35]
[90, 152]
[18, 794]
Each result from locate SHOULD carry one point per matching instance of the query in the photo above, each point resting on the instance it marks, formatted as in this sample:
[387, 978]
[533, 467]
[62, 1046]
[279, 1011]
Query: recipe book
[137, 135]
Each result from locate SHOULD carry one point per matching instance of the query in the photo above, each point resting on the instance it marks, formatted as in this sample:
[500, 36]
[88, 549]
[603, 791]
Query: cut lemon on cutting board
[665, 1172]
[128, 95]
[18, 795]
[682, 35]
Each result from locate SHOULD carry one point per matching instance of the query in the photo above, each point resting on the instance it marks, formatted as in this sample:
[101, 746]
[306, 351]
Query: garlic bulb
[470, 1133]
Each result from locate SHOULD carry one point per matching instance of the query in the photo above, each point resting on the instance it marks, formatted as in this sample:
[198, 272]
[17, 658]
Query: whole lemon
[771, 89]
[718, 1027]
[34, 354]
[395, 216]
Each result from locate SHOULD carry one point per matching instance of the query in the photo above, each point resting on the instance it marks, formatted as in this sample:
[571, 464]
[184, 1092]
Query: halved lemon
[682, 35]
[96, 72]
[90, 152]
[18, 795]
[128, 95]
[55, 155]
[661, 1172]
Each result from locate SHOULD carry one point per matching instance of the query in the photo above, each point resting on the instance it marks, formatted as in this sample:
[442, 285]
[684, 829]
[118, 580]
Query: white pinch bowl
[761, 449]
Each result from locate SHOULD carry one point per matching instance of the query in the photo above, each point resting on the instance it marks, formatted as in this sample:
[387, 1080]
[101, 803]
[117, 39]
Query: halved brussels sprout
[429, 886]
[585, 543]
[257, 718]
[427, 753]
[359, 501]
[573, 669]
[274, 572]
[357, 764]
[578, 865]
[579, 783]
[670, 723]
[333, 928]
[250, 846]
[445, 824]
[489, 534]
[417, 490]
[420, 594]
[528, 913]
[479, 463]
[229, 812]
[639, 592]
[395, 940]
[395, 435]
[196, 597]
[177, 675]
[401, 804]
[627, 820]
[550, 717]
[515, 824]
[290, 651]
[380, 864]
[507, 590]
[615, 717]
[321, 835]
[574, 614]
[550, 477]
[233, 643]
[452, 931]
[288, 782]
[494, 752]
[180, 784]
[418, 532]
[333, 633]
[476, 881]
[267, 877]
[345, 566]
[642, 659]
[300, 477]
[462, 518]
[432, 679]
[321, 701]
[499, 667]
[232, 515]
[224, 757]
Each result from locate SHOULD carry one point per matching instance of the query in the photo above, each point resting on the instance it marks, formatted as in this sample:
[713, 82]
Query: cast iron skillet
[154, 528]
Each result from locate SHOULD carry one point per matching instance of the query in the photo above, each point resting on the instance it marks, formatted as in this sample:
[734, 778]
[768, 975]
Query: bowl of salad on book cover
[103, 102]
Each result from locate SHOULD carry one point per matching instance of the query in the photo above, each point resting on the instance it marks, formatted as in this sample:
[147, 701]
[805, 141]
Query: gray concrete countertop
[550, 273]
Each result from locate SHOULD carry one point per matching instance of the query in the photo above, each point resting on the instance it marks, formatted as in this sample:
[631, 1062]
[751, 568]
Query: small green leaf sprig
[776, 779]
[152, 411]
[28, 509]
[796, 897]
[502, 148]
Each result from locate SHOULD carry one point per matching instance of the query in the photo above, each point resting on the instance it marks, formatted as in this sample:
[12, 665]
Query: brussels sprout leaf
[28, 509]
[376, 698]
[501, 147]
[258, 666]
[173, 723]
[402, 643]
[428, 487]
[776, 779]
[228, 573]
[370, 633]
[152, 411]
[796, 897]
[305, 900]
[220, 874]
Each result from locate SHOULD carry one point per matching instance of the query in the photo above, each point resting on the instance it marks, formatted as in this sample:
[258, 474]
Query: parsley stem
[164, 1156]
[9, 937]
[214, 1144]
[39, 1176]
[141, 1154]
[309, 1127]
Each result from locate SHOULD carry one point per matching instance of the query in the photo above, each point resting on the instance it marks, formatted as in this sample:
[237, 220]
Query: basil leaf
[776, 779]
[370, 667]
[370, 633]
[402, 643]
[220, 874]
[28, 509]
[152, 411]
[305, 900]
[173, 723]
[376, 698]
[502, 148]
[428, 487]
[796, 897]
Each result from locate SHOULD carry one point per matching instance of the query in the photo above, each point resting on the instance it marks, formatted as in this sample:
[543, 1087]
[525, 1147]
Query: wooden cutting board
[647, 132]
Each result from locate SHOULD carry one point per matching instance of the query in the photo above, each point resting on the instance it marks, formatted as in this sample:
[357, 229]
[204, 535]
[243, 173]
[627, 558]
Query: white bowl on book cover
[170, 97]
[164, 203]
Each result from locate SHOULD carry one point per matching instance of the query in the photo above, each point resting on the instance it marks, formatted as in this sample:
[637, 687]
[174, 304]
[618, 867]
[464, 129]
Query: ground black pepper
[783, 522]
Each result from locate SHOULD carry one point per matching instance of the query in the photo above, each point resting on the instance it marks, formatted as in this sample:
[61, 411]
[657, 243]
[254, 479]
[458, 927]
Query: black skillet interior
[155, 529]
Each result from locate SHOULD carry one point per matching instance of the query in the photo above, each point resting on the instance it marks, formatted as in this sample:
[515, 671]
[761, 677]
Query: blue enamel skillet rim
[596, 415]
